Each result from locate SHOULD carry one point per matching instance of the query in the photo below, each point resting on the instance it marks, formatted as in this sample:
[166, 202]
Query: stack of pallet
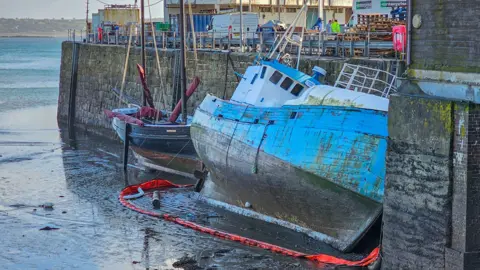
[375, 23]
[384, 26]
[353, 37]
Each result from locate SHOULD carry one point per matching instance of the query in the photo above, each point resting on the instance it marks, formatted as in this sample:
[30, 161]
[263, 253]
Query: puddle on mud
[82, 178]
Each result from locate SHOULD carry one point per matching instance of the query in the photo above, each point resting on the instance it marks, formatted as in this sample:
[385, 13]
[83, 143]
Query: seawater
[29, 72]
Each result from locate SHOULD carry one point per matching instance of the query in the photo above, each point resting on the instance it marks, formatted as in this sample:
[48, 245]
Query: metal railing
[344, 45]
[367, 80]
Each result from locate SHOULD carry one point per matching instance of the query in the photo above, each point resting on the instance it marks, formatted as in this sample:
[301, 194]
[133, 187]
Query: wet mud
[86, 227]
[82, 178]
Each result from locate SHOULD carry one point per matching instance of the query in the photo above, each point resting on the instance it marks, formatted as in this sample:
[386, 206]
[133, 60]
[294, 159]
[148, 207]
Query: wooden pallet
[353, 38]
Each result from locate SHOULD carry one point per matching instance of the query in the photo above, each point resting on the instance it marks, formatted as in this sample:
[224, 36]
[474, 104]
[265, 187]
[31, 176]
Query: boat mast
[182, 62]
[241, 27]
[142, 10]
[286, 38]
[86, 21]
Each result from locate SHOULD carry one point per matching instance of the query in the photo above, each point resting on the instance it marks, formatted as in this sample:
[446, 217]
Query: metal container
[200, 22]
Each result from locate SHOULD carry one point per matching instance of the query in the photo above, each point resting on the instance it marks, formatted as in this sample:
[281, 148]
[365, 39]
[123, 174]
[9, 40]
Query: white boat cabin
[271, 84]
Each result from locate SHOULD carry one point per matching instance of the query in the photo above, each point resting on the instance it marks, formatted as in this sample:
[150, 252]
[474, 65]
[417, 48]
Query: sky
[68, 9]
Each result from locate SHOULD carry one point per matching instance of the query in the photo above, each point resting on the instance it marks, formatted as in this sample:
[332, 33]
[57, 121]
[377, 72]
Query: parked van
[225, 24]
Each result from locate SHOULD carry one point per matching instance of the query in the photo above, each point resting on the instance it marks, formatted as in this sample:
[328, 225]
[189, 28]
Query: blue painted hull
[320, 167]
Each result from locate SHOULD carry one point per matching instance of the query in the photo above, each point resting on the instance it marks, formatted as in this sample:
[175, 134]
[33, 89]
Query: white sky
[41, 9]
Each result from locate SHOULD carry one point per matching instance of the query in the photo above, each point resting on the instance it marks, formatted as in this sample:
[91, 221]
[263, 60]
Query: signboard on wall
[376, 6]
[363, 4]
[393, 3]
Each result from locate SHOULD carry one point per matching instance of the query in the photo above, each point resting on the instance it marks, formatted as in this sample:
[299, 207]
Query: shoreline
[33, 35]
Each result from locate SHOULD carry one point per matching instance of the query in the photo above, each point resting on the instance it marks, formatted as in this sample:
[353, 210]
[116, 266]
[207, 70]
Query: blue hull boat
[292, 151]
[319, 167]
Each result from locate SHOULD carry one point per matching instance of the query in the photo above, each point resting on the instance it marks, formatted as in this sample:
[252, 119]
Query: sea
[29, 72]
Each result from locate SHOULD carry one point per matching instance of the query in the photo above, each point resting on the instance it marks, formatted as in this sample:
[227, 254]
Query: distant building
[285, 10]
[122, 14]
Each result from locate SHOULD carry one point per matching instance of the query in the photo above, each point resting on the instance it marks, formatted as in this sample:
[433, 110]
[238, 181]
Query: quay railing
[344, 45]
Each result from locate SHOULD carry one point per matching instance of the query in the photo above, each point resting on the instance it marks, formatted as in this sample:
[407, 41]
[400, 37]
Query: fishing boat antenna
[142, 10]
[182, 62]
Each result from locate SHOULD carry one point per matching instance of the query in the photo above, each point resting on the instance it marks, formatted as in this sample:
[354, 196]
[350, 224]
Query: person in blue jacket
[317, 25]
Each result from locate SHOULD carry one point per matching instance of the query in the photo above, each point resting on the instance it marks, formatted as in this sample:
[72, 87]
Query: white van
[220, 25]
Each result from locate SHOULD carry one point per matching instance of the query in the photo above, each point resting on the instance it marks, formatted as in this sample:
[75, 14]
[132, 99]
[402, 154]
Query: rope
[126, 65]
[158, 61]
[229, 60]
[164, 184]
[193, 36]
[226, 75]
[264, 135]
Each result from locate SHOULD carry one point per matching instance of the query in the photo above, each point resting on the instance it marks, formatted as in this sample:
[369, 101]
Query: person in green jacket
[335, 27]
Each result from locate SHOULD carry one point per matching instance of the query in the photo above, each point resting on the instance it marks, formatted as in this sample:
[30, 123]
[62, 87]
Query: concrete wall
[432, 203]
[448, 37]
[100, 68]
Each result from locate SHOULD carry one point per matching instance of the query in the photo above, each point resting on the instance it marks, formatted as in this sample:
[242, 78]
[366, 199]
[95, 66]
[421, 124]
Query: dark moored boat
[157, 141]
[158, 144]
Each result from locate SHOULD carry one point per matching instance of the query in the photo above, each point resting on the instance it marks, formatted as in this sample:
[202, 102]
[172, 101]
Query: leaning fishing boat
[297, 152]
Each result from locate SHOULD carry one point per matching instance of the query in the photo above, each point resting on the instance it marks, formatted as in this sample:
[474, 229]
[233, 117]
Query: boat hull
[166, 147]
[244, 169]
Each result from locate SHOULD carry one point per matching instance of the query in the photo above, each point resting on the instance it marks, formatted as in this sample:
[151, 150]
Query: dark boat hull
[162, 147]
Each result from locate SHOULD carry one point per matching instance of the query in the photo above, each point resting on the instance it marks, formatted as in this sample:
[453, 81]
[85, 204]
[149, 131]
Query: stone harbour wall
[432, 198]
[447, 39]
[100, 68]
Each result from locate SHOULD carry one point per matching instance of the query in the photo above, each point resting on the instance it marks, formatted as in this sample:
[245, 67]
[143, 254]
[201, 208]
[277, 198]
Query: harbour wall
[432, 186]
[447, 38]
[100, 68]
[445, 49]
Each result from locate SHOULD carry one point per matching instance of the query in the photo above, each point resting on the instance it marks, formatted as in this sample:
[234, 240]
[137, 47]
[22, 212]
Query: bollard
[156, 200]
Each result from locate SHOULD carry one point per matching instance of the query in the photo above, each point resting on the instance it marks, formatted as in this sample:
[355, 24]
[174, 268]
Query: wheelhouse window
[286, 83]
[264, 69]
[297, 89]
[276, 76]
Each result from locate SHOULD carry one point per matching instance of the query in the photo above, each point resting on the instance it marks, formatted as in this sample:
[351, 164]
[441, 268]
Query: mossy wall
[448, 38]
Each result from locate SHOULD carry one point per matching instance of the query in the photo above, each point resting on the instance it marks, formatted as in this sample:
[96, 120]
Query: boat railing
[367, 80]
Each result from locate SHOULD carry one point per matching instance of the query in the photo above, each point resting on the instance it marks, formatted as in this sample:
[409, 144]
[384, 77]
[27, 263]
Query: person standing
[100, 34]
[335, 27]
[328, 26]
